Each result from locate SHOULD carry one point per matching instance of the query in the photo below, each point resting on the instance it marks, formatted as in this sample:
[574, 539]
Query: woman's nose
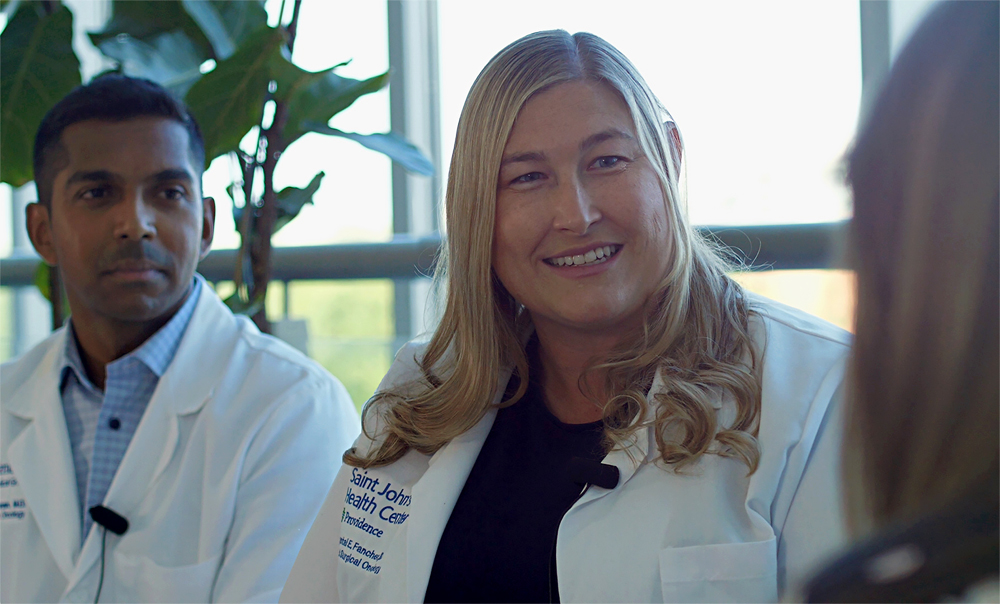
[575, 208]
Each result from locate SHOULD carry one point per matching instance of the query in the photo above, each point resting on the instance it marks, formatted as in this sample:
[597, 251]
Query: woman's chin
[596, 321]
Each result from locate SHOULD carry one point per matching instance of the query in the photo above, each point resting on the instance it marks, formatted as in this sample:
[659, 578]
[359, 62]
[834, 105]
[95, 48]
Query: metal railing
[777, 247]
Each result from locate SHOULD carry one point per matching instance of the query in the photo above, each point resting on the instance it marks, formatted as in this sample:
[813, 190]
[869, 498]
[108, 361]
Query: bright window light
[765, 93]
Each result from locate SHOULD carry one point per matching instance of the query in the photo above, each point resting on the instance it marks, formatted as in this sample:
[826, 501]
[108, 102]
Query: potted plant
[234, 72]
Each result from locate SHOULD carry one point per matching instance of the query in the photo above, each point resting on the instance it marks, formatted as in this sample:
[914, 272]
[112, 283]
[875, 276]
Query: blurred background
[767, 95]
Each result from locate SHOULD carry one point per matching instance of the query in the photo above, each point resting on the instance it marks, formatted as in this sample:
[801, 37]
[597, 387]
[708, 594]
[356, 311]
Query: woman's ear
[676, 146]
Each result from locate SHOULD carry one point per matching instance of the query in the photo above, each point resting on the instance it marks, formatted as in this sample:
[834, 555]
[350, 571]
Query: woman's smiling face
[581, 237]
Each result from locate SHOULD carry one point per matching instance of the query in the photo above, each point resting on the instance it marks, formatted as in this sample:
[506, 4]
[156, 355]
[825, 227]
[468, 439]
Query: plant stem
[246, 221]
[260, 244]
[293, 26]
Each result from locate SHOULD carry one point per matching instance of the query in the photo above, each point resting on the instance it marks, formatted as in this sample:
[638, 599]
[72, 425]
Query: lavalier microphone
[588, 471]
[109, 520]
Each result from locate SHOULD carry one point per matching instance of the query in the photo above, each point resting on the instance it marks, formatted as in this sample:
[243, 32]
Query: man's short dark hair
[113, 98]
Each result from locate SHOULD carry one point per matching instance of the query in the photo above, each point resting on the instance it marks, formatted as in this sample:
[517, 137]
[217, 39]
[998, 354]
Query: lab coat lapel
[640, 447]
[627, 459]
[188, 383]
[434, 497]
[41, 458]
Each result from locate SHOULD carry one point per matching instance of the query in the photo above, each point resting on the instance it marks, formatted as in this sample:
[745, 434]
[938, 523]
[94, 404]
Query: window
[765, 94]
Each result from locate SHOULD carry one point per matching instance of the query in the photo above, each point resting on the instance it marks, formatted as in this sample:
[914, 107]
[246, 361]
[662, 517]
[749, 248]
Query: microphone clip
[588, 471]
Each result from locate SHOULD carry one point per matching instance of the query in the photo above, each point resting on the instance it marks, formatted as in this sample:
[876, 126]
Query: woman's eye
[607, 162]
[526, 178]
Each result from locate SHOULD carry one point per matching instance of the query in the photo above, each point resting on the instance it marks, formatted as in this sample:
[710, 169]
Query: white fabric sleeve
[814, 530]
[289, 467]
[314, 576]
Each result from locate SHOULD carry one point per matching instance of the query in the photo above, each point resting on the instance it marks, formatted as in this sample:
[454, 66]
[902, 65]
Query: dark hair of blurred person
[921, 446]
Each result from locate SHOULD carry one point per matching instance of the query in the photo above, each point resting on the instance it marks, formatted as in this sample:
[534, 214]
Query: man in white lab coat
[156, 448]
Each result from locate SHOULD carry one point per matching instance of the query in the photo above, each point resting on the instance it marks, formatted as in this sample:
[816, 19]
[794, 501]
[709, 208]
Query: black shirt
[501, 535]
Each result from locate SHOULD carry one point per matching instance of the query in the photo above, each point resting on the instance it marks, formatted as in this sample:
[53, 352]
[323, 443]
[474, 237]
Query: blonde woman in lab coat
[602, 413]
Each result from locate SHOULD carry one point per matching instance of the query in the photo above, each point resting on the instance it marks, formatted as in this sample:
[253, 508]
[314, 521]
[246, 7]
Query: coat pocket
[139, 579]
[728, 572]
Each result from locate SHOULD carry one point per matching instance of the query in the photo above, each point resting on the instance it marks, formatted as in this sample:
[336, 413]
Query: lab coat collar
[41, 457]
[199, 364]
[640, 448]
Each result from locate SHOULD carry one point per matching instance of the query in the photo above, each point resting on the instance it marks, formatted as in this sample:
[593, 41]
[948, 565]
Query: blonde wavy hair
[923, 414]
[696, 327]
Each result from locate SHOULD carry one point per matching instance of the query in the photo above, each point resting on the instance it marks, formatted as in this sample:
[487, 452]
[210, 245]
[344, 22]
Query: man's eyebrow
[519, 157]
[90, 176]
[595, 139]
[172, 174]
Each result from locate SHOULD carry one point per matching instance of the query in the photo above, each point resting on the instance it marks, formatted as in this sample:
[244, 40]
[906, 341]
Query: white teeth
[594, 256]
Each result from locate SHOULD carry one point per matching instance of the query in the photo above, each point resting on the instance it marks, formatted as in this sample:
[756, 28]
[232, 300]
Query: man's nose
[575, 208]
[135, 218]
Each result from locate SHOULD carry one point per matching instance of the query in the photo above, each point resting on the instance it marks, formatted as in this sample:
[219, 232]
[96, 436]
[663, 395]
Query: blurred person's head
[118, 166]
[923, 423]
[533, 126]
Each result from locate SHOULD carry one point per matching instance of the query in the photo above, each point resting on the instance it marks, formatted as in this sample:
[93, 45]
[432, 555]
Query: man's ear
[207, 225]
[676, 146]
[39, 223]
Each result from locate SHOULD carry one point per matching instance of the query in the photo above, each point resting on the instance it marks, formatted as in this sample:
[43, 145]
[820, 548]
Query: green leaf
[395, 146]
[168, 41]
[229, 100]
[291, 200]
[37, 68]
[317, 97]
[290, 77]
[225, 23]
[170, 59]
[248, 308]
[146, 21]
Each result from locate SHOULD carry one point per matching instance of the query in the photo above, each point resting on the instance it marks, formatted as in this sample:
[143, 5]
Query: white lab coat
[223, 477]
[709, 534]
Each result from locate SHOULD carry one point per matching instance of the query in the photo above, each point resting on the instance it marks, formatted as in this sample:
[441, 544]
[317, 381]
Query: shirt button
[114, 423]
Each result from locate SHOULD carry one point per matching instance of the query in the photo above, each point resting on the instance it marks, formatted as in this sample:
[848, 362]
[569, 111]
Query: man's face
[127, 224]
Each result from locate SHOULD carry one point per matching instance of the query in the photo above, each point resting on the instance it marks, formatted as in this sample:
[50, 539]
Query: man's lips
[134, 268]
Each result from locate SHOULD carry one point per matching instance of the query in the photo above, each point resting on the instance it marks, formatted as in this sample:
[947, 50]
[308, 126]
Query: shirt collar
[156, 353]
[72, 363]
